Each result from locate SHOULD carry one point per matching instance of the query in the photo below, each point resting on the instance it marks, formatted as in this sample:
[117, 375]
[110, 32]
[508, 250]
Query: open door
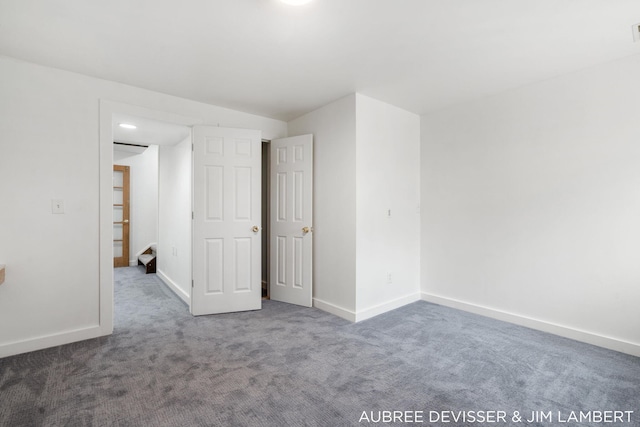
[291, 220]
[226, 220]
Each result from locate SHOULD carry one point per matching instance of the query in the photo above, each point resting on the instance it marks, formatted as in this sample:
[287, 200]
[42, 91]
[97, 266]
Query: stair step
[148, 261]
[146, 258]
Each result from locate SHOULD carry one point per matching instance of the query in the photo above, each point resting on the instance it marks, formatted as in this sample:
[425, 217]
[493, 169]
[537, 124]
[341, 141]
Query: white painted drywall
[174, 244]
[366, 161]
[334, 203]
[387, 203]
[531, 205]
[143, 198]
[53, 147]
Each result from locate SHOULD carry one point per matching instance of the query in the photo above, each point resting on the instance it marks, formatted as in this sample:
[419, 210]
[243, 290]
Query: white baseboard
[365, 314]
[174, 287]
[387, 306]
[334, 309]
[53, 340]
[540, 325]
[133, 262]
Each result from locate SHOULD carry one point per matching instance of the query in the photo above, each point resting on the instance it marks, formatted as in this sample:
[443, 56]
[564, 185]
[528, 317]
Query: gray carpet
[291, 366]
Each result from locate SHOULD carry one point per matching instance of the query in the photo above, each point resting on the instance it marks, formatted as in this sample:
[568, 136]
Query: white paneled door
[291, 221]
[226, 220]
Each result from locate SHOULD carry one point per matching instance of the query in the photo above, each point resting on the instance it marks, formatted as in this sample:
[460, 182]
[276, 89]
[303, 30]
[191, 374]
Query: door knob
[126, 221]
[305, 230]
[255, 229]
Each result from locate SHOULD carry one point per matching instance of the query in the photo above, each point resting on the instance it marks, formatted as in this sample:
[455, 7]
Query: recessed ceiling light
[295, 2]
[128, 126]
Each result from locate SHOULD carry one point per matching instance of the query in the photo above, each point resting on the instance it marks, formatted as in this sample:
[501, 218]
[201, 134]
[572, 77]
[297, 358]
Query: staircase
[148, 259]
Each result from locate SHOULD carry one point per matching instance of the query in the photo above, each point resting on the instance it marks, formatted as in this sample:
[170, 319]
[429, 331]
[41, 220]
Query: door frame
[107, 109]
[105, 158]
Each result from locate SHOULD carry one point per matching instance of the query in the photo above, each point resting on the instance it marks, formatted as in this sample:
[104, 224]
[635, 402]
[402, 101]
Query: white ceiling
[148, 132]
[280, 61]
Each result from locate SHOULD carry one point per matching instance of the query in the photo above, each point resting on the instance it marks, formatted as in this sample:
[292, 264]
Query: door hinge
[192, 149]
[192, 215]
[192, 283]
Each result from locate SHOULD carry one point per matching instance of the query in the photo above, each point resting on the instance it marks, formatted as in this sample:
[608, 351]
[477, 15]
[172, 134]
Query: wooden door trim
[124, 260]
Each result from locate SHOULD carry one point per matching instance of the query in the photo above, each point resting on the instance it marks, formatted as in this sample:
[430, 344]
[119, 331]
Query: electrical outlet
[389, 279]
[174, 251]
[57, 206]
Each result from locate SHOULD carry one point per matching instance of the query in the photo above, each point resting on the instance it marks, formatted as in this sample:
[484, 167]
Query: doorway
[266, 205]
[109, 113]
[109, 110]
[158, 155]
[136, 224]
[228, 217]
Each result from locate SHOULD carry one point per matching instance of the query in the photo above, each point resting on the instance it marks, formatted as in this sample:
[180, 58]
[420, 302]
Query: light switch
[57, 206]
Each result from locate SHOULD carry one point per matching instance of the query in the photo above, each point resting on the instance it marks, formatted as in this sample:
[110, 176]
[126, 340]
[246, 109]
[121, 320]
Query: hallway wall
[174, 243]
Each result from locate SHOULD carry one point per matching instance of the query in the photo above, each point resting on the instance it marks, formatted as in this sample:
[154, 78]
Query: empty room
[319, 213]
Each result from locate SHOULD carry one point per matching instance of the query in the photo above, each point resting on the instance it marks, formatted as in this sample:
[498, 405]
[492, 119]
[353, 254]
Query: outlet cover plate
[57, 206]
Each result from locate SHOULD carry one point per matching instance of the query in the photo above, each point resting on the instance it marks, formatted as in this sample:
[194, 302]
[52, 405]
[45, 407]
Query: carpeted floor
[292, 366]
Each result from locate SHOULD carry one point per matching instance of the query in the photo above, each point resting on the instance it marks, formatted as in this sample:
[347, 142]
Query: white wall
[53, 147]
[143, 198]
[366, 161]
[334, 203]
[531, 206]
[387, 180]
[174, 244]
[46, 153]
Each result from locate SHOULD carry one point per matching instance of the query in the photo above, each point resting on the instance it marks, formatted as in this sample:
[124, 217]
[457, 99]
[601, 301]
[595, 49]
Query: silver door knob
[255, 229]
[305, 230]
[126, 221]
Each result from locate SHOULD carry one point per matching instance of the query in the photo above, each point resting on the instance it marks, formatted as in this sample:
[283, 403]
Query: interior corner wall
[387, 207]
[173, 262]
[531, 206]
[334, 203]
[143, 199]
[54, 147]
